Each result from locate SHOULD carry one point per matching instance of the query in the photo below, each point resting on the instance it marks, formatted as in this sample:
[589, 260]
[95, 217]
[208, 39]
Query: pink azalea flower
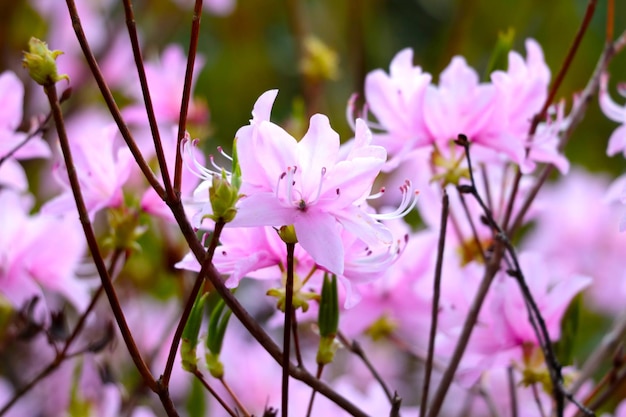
[165, 79]
[102, 171]
[503, 327]
[397, 102]
[151, 202]
[522, 91]
[460, 104]
[615, 112]
[31, 261]
[12, 104]
[256, 252]
[524, 87]
[578, 231]
[305, 184]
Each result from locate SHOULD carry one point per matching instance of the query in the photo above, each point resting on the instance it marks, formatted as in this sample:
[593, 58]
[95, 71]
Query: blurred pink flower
[102, 171]
[166, 77]
[397, 102]
[39, 253]
[12, 104]
[615, 112]
[579, 232]
[215, 7]
[151, 202]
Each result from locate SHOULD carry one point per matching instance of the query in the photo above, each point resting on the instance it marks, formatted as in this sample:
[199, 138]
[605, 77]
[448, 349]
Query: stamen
[408, 203]
[319, 187]
[192, 163]
[290, 184]
[283, 175]
[377, 195]
[351, 111]
[224, 154]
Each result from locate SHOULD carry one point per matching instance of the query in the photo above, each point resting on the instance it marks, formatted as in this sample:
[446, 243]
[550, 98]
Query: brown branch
[110, 101]
[575, 117]
[29, 136]
[92, 243]
[251, 325]
[435, 307]
[214, 393]
[63, 354]
[164, 380]
[145, 90]
[184, 105]
[355, 348]
[591, 6]
[287, 329]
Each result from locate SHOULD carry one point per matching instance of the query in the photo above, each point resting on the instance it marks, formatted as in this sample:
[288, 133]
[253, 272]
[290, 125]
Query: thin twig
[535, 317]
[355, 348]
[493, 266]
[608, 344]
[318, 375]
[512, 391]
[110, 101]
[214, 393]
[145, 90]
[287, 329]
[63, 354]
[445, 202]
[591, 6]
[616, 383]
[184, 105]
[296, 338]
[29, 136]
[92, 243]
[574, 118]
[470, 220]
[488, 398]
[534, 314]
[396, 402]
[164, 380]
[535, 391]
[234, 397]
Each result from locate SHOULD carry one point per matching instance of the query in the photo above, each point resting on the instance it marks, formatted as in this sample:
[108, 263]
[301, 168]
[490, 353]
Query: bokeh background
[251, 48]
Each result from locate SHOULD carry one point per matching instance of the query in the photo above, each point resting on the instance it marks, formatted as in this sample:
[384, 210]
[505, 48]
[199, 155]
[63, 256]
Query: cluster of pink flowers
[346, 204]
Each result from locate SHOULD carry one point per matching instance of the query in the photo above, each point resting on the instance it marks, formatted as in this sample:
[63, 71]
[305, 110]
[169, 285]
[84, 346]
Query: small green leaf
[500, 54]
[191, 331]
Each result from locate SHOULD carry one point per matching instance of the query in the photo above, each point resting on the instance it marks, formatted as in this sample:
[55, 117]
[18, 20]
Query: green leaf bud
[41, 63]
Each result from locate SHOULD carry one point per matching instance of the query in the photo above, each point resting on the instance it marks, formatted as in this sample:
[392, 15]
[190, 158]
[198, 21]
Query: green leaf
[500, 55]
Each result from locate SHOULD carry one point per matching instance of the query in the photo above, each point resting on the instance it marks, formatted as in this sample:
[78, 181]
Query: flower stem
[287, 329]
[208, 258]
[435, 307]
[184, 105]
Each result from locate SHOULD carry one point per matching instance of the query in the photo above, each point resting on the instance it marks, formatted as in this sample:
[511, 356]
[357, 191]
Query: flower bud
[288, 234]
[319, 62]
[328, 321]
[223, 196]
[41, 63]
[214, 365]
[218, 321]
[189, 340]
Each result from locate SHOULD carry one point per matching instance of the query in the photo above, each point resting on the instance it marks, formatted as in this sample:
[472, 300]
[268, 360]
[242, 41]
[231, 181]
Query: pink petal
[263, 209]
[318, 234]
[11, 100]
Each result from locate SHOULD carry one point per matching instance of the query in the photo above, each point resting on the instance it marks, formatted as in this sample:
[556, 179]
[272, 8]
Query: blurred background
[250, 47]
